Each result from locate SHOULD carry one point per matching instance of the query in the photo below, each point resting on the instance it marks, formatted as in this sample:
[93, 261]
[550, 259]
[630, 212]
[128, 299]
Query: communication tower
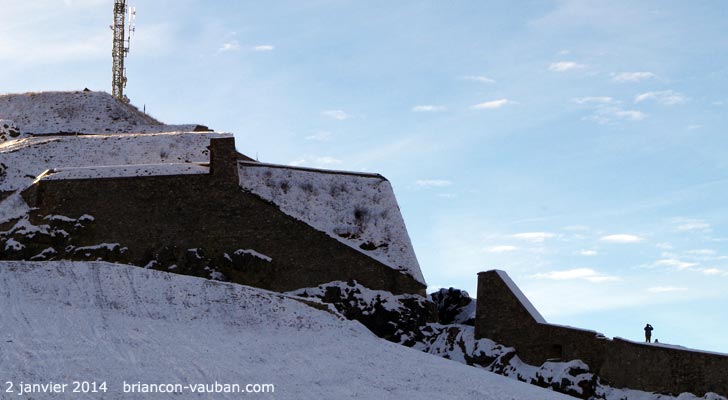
[122, 38]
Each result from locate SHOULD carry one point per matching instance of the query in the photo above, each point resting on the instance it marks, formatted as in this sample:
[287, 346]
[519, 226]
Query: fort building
[187, 202]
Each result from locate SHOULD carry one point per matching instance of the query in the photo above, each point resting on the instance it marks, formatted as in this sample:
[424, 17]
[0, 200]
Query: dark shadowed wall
[160, 218]
[504, 315]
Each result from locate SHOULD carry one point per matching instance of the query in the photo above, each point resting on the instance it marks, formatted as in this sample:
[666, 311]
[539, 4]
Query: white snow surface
[65, 321]
[27, 158]
[356, 209]
[77, 112]
[125, 171]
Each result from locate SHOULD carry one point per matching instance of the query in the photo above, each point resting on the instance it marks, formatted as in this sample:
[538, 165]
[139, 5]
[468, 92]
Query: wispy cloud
[666, 289]
[481, 79]
[428, 108]
[501, 249]
[607, 115]
[595, 100]
[490, 105]
[317, 161]
[714, 272]
[588, 253]
[629, 114]
[586, 274]
[327, 161]
[563, 66]
[665, 97]
[621, 238]
[320, 136]
[232, 45]
[537, 237]
[607, 110]
[336, 114]
[581, 228]
[633, 76]
[263, 47]
[675, 263]
[702, 252]
[691, 225]
[429, 183]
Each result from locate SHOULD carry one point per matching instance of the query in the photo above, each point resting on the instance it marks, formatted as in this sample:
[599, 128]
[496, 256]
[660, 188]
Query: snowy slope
[358, 210]
[65, 321]
[78, 112]
[24, 159]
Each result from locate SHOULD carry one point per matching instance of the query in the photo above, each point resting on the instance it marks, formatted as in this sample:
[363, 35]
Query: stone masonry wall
[504, 317]
[195, 224]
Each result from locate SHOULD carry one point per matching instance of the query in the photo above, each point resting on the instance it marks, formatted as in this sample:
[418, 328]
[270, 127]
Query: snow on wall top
[521, 297]
[359, 210]
[125, 171]
[21, 161]
[78, 112]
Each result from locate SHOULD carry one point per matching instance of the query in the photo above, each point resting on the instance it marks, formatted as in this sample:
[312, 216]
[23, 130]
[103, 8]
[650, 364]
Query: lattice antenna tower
[122, 39]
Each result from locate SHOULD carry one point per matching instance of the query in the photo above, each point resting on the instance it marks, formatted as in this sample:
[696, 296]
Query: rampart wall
[505, 315]
[160, 218]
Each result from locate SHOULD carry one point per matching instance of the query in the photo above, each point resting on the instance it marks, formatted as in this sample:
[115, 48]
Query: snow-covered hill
[64, 321]
[84, 112]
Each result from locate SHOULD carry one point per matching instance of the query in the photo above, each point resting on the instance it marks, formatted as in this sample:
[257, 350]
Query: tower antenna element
[122, 39]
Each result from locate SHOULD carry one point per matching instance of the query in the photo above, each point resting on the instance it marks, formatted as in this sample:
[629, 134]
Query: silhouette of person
[648, 333]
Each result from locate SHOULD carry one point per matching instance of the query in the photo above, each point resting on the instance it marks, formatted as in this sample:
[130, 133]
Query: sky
[579, 145]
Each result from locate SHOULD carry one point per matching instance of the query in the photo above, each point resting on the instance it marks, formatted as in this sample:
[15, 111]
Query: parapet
[505, 315]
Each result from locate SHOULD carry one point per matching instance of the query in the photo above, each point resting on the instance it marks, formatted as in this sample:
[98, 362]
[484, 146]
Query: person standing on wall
[648, 333]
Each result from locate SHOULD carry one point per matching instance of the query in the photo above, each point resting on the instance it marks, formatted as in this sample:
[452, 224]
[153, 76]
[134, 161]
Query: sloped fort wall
[505, 315]
[206, 225]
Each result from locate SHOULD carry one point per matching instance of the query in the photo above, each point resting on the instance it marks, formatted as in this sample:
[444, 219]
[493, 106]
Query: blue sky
[579, 145]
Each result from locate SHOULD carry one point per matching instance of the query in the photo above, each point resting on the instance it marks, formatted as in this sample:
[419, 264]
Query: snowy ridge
[358, 210]
[23, 160]
[123, 323]
[78, 112]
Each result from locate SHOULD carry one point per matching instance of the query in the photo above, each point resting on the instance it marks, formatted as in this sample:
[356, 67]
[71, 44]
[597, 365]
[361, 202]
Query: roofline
[307, 169]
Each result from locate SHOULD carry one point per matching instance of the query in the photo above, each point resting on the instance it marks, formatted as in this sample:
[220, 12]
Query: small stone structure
[196, 219]
[505, 315]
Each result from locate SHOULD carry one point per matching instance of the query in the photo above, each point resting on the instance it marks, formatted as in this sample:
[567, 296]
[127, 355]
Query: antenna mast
[121, 47]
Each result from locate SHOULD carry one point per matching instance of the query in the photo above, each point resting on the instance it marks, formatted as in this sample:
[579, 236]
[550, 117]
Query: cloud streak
[564, 66]
[621, 238]
[501, 249]
[263, 47]
[338, 115]
[481, 79]
[633, 76]
[586, 274]
[666, 289]
[428, 108]
[664, 97]
[491, 105]
[430, 183]
[536, 237]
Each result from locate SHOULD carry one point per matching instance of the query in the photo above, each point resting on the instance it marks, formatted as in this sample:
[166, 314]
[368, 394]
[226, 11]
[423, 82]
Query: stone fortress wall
[207, 225]
[505, 315]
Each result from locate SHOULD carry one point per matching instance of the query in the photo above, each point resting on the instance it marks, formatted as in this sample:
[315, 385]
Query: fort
[505, 315]
[228, 217]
